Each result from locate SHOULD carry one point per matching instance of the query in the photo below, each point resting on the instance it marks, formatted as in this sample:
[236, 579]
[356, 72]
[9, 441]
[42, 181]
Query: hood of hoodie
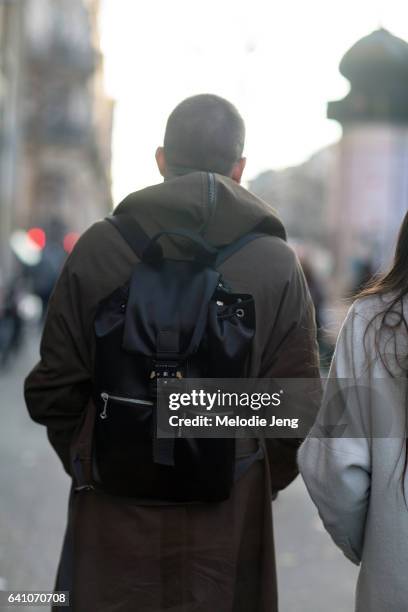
[211, 204]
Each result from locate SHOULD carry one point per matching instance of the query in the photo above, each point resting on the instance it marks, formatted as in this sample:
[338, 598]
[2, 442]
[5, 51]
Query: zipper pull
[104, 414]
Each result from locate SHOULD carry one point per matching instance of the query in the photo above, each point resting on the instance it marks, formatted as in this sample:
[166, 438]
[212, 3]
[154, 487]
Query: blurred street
[312, 573]
[34, 489]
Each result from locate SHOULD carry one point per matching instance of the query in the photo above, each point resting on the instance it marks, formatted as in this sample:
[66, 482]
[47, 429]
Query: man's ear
[238, 170]
[161, 161]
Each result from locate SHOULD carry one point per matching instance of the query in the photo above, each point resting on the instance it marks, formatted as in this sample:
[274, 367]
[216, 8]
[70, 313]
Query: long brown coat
[122, 557]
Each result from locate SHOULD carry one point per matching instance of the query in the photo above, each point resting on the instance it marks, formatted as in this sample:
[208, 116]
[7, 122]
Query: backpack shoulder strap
[139, 241]
[226, 252]
[271, 227]
[131, 232]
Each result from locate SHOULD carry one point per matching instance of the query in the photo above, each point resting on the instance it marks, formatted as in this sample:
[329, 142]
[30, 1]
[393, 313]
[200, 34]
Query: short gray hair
[204, 132]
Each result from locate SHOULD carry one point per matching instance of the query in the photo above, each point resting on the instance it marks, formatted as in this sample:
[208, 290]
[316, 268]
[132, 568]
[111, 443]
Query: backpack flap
[166, 313]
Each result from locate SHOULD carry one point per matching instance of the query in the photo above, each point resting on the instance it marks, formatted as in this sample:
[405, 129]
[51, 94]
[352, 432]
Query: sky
[276, 61]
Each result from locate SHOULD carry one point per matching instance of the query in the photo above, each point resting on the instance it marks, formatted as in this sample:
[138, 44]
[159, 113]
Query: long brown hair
[393, 283]
[396, 279]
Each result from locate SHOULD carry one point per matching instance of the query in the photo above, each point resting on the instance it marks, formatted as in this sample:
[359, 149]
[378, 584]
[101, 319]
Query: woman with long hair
[354, 462]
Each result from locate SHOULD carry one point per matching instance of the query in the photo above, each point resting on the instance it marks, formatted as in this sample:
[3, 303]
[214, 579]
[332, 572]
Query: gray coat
[355, 482]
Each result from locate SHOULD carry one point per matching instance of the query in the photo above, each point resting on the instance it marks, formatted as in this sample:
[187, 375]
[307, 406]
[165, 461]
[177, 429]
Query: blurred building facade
[11, 35]
[62, 126]
[300, 194]
[368, 193]
[350, 198]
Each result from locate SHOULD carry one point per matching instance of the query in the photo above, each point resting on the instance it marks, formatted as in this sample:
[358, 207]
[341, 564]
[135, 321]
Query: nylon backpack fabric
[174, 318]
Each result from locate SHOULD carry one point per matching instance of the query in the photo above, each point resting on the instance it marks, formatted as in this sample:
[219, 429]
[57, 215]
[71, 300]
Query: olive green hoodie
[124, 557]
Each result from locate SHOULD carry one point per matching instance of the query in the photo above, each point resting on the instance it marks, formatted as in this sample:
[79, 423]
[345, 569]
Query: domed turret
[377, 68]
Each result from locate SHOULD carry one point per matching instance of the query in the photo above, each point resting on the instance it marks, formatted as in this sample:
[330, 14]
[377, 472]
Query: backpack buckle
[165, 370]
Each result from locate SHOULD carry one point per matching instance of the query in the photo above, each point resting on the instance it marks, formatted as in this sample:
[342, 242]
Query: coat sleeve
[58, 388]
[291, 352]
[336, 470]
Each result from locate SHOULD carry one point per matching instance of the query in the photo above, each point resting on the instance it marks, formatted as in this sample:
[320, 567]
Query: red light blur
[70, 241]
[37, 235]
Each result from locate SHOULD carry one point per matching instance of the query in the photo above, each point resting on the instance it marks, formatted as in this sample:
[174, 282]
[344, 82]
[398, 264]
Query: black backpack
[173, 318]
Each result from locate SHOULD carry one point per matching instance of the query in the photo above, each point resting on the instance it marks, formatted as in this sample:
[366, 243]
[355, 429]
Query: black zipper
[212, 200]
[211, 192]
